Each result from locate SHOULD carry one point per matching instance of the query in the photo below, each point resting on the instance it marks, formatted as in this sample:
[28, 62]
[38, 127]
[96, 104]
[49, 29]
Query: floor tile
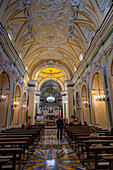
[53, 154]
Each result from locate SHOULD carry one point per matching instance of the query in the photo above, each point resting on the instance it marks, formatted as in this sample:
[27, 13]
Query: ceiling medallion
[51, 54]
[50, 19]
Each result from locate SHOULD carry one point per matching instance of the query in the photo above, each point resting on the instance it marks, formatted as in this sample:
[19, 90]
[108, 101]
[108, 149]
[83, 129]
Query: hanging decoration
[100, 97]
[15, 103]
[85, 102]
[50, 98]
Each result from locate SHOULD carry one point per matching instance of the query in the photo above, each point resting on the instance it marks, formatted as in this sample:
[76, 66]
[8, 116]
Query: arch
[4, 106]
[85, 104]
[17, 98]
[98, 107]
[47, 79]
[53, 64]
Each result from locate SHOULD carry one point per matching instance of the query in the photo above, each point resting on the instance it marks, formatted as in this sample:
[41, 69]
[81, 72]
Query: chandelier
[24, 106]
[15, 103]
[2, 97]
[100, 97]
[85, 102]
[50, 99]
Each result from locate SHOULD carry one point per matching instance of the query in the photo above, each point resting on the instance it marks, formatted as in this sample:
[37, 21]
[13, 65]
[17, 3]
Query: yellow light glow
[50, 72]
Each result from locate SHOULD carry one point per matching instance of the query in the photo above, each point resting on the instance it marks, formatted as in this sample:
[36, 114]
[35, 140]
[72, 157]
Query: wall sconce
[15, 104]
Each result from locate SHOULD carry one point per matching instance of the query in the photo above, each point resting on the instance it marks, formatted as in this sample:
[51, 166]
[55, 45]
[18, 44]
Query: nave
[53, 154]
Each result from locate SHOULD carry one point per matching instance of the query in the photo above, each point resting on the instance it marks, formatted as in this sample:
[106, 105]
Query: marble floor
[53, 154]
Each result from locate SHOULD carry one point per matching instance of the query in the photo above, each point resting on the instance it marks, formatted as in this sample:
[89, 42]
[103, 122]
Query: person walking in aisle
[59, 127]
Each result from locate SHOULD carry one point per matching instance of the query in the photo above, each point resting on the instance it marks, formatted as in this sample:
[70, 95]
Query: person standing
[59, 127]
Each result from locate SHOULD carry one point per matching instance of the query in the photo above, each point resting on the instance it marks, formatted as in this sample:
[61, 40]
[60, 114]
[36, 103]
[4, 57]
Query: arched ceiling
[50, 73]
[57, 30]
[51, 88]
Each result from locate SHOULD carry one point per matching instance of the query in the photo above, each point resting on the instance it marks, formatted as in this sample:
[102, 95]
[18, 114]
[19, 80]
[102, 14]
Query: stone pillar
[64, 103]
[21, 103]
[106, 87]
[31, 103]
[27, 102]
[89, 95]
[12, 96]
[70, 103]
[80, 110]
[37, 100]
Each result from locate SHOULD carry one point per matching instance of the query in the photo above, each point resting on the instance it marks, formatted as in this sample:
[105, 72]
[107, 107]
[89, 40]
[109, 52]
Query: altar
[50, 122]
[49, 119]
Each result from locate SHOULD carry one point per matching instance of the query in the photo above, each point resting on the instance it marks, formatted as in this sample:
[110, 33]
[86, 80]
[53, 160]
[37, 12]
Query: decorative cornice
[31, 85]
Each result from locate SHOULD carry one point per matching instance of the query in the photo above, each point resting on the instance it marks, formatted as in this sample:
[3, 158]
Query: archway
[85, 104]
[24, 109]
[51, 109]
[16, 106]
[98, 101]
[4, 106]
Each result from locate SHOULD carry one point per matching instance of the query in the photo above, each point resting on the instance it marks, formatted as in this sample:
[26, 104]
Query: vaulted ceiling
[52, 33]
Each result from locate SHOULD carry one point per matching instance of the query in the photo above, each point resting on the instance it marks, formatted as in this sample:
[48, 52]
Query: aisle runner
[53, 154]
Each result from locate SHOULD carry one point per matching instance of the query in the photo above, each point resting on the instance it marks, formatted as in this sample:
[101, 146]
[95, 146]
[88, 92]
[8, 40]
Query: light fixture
[50, 98]
[2, 97]
[85, 102]
[15, 103]
[24, 106]
[100, 97]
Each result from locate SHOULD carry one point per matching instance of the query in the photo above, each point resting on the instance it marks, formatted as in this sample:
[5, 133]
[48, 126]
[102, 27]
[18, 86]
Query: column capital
[32, 84]
[64, 93]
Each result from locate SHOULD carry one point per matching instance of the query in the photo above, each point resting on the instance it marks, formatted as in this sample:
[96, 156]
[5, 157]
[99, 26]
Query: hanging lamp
[50, 98]
[100, 97]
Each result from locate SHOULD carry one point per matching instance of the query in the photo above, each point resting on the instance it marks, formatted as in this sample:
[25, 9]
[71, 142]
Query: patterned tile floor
[53, 154]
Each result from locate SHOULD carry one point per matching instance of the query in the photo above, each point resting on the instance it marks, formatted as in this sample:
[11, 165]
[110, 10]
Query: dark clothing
[60, 133]
[80, 124]
[59, 124]
[59, 128]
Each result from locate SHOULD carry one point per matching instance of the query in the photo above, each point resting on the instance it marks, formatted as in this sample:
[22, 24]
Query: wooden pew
[13, 152]
[88, 143]
[96, 150]
[83, 138]
[110, 159]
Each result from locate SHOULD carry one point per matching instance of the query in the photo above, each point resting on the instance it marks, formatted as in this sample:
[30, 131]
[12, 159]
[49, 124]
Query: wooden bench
[96, 150]
[110, 159]
[13, 152]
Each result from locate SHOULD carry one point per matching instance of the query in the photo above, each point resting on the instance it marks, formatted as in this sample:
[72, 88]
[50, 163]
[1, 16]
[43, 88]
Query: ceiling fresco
[55, 31]
[50, 20]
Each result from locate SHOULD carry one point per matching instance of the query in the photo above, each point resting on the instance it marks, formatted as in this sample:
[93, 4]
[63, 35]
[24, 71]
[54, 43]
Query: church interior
[56, 63]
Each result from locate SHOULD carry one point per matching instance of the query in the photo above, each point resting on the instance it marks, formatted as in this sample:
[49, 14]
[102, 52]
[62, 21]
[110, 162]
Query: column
[64, 103]
[31, 99]
[37, 101]
[108, 102]
[89, 96]
[12, 96]
[80, 110]
[70, 103]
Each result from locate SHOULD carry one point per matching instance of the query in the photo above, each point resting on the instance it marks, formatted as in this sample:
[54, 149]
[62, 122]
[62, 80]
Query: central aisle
[53, 154]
